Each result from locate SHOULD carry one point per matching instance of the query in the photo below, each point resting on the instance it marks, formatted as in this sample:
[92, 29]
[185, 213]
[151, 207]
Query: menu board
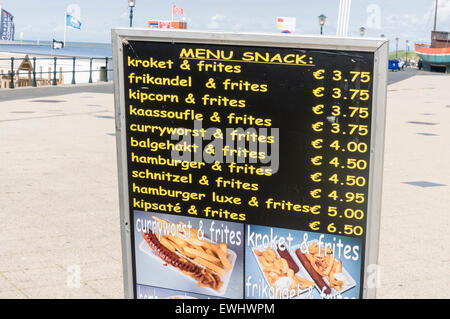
[247, 169]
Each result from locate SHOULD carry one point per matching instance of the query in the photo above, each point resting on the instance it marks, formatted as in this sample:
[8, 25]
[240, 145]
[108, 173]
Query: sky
[405, 19]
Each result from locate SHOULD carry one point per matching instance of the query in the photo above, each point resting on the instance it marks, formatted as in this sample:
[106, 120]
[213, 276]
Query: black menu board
[247, 169]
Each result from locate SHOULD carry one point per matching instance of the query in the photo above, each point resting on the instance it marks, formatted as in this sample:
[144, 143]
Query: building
[166, 24]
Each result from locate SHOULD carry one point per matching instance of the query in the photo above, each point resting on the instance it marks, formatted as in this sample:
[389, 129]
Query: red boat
[436, 56]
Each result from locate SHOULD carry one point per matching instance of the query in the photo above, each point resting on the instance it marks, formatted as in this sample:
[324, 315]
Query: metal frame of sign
[378, 46]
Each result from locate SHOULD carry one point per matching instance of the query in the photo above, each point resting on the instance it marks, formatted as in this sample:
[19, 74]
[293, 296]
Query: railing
[35, 78]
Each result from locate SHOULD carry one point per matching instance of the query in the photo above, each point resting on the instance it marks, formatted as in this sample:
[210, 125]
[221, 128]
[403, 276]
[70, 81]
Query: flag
[6, 26]
[177, 10]
[57, 44]
[73, 22]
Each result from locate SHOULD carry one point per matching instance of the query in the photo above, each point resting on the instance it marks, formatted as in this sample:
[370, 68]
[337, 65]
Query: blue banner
[6, 26]
[73, 22]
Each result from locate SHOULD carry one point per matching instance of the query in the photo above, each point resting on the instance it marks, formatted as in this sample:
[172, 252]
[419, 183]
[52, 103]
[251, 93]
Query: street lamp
[131, 4]
[396, 48]
[322, 19]
[362, 31]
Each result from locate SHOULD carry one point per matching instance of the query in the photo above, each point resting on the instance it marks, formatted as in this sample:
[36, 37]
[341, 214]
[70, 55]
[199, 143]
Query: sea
[77, 49]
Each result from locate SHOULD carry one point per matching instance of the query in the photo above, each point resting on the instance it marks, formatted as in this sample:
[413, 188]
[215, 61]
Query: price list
[247, 169]
[340, 144]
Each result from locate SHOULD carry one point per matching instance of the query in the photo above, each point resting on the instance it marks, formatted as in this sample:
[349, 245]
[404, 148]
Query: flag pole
[172, 10]
[65, 27]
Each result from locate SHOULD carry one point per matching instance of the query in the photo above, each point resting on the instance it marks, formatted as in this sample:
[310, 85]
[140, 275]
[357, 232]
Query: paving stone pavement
[59, 198]
[414, 258]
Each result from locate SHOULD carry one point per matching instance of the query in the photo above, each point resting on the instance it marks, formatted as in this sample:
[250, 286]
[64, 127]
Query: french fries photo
[275, 267]
[325, 265]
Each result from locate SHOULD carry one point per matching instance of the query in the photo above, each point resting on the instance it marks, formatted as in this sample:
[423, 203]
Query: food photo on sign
[292, 264]
[189, 254]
